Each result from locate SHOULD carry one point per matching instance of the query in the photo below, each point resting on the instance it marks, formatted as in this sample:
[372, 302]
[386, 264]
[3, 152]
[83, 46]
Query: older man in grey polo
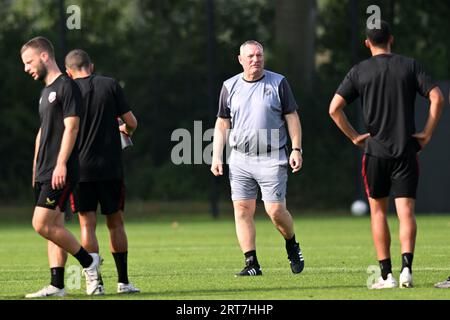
[258, 111]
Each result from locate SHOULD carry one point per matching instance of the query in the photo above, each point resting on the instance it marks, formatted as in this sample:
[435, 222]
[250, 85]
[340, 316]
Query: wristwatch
[298, 149]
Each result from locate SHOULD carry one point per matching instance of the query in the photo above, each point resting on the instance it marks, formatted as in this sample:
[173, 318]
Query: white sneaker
[406, 279]
[444, 284]
[385, 284]
[100, 290]
[48, 291]
[93, 276]
[127, 288]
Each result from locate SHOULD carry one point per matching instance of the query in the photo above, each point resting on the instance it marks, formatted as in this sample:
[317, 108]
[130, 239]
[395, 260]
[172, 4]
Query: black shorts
[110, 194]
[383, 177]
[47, 197]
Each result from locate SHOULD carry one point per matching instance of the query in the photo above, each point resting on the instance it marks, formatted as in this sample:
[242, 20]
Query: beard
[41, 71]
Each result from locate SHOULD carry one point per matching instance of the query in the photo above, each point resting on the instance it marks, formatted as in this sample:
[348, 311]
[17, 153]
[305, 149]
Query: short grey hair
[250, 42]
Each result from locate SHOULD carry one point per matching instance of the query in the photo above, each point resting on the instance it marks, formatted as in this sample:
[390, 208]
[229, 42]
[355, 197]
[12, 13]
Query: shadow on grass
[188, 294]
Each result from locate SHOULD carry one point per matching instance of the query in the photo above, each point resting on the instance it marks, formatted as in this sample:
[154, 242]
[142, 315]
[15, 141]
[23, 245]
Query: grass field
[196, 258]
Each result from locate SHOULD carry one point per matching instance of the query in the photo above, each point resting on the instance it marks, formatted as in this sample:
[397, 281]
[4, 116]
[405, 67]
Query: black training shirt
[100, 148]
[387, 85]
[59, 100]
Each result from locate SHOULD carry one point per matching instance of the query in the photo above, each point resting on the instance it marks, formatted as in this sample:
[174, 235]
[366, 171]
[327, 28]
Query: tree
[295, 35]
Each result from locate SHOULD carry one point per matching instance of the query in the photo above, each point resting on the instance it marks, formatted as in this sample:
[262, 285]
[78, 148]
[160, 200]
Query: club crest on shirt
[52, 96]
[267, 91]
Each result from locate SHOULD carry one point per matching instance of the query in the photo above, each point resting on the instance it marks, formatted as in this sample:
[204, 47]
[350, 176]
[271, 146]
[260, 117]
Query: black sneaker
[250, 271]
[295, 257]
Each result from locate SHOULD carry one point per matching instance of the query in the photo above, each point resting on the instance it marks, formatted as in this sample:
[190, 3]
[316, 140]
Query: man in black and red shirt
[55, 165]
[387, 84]
[101, 169]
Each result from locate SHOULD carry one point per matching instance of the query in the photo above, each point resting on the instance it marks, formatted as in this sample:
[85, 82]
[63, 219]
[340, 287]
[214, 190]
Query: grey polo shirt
[256, 110]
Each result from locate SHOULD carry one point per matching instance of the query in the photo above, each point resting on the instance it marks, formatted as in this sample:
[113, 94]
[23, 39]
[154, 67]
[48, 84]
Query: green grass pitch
[196, 258]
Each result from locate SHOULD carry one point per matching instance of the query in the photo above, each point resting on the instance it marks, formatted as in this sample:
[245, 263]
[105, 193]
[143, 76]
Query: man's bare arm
[67, 144]
[36, 151]
[337, 114]
[295, 133]
[436, 105]
[220, 138]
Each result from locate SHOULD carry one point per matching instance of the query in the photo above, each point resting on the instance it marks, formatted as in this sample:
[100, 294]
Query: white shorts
[269, 172]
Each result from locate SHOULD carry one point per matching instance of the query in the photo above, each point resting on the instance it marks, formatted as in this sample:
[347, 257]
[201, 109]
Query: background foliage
[158, 51]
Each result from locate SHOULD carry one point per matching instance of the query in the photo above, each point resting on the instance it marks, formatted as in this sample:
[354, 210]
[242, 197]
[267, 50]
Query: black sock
[121, 264]
[250, 258]
[83, 257]
[290, 243]
[386, 267]
[407, 260]
[57, 277]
